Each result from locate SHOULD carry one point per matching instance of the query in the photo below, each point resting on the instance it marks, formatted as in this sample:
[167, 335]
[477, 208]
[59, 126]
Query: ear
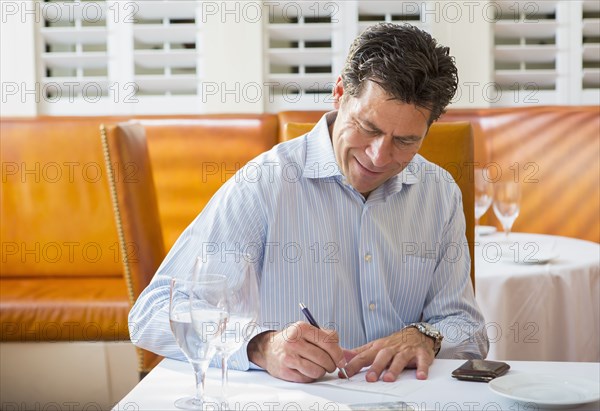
[338, 92]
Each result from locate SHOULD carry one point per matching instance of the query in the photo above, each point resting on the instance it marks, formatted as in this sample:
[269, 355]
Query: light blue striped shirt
[364, 268]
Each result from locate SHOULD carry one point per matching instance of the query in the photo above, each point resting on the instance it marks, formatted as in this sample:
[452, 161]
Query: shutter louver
[525, 52]
[73, 54]
[371, 12]
[165, 48]
[299, 55]
[591, 52]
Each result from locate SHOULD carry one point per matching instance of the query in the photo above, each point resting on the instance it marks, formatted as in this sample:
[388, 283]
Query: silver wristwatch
[429, 331]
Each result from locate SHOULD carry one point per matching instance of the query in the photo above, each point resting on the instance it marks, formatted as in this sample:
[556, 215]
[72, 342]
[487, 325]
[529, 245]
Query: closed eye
[368, 130]
[407, 141]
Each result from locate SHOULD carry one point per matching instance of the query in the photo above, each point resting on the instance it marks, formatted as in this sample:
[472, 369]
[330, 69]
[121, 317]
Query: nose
[379, 151]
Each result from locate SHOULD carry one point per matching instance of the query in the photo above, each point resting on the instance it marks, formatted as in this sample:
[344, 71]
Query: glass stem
[507, 228]
[224, 374]
[199, 374]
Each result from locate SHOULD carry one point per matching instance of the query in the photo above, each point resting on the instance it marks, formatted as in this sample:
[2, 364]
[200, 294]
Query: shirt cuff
[239, 359]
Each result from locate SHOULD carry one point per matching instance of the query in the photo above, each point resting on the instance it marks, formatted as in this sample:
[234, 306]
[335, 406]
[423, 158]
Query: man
[349, 220]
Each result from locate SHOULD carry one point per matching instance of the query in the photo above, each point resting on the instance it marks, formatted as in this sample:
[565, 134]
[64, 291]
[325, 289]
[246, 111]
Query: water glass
[484, 193]
[507, 200]
[242, 303]
[188, 300]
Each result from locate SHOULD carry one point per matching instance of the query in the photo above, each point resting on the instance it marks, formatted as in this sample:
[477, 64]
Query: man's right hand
[298, 353]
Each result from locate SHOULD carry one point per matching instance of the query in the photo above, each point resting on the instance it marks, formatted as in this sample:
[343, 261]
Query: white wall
[17, 58]
[464, 28]
[236, 38]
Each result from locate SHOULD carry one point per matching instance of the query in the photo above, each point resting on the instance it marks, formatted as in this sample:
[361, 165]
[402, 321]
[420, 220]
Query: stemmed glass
[484, 194]
[197, 314]
[242, 302]
[507, 199]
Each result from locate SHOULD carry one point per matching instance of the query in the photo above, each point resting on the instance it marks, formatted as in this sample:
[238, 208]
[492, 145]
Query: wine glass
[507, 199]
[484, 194]
[206, 299]
[242, 302]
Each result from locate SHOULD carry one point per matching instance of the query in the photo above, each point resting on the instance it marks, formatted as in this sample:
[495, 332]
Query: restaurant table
[257, 390]
[545, 308]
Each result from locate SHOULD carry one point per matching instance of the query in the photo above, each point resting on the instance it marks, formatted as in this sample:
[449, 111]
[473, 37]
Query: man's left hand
[388, 356]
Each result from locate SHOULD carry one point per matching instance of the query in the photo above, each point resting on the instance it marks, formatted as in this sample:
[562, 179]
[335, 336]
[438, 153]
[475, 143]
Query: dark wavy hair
[406, 62]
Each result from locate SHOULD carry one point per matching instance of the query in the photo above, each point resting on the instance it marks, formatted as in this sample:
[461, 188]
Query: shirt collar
[320, 158]
[407, 176]
[321, 163]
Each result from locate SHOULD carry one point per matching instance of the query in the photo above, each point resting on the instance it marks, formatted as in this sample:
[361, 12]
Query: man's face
[375, 137]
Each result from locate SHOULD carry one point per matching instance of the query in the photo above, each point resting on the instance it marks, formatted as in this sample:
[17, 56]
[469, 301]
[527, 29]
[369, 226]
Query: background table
[257, 390]
[548, 312]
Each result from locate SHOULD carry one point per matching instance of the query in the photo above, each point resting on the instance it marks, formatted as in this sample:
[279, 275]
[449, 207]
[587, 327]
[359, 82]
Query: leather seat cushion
[64, 309]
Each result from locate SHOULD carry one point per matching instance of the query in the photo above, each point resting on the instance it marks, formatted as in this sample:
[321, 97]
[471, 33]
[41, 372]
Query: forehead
[389, 115]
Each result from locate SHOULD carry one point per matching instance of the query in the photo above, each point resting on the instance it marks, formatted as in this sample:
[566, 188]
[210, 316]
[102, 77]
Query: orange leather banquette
[554, 152]
[61, 265]
[61, 273]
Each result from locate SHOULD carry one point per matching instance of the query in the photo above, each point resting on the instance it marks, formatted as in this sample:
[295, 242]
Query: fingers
[388, 357]
[388, 365]
[303, 353]
[382, 359]
[307, 368]
[308, 351]
[290, 374]
[349, 355]
[299, 353]
[327, 341]
[424, 361]
[363, 356]
[399, 363]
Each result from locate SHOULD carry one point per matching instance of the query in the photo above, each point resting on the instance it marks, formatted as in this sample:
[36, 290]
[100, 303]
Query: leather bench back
[57, 217]
[192, 157]
[554, 152]
[56, 212]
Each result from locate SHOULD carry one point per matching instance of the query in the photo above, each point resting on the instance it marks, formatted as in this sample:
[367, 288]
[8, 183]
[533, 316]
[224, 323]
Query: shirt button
[372, 307]
[368, 257]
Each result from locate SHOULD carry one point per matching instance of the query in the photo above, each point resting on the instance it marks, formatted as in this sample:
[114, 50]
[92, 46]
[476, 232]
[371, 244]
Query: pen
[314, 323]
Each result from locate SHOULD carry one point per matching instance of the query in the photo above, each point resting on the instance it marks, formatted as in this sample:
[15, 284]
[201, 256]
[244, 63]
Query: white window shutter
[72, 56]
[115, 57]
[591, 52]
[371, 12]
[165, 49]
[307, 44]
[167, 56]
[525, 52]
[98, 57]
[299, 56]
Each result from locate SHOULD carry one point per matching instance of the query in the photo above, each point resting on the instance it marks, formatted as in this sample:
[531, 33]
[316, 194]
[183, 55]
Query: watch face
[429, 330]
[434, 332]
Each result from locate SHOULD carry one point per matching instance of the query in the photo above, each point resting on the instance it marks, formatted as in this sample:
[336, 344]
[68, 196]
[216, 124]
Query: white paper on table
[403, 386]
[264, 397]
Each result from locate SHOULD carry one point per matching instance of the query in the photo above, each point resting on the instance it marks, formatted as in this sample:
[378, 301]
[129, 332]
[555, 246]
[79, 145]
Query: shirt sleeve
[234, 219]
[450, 305]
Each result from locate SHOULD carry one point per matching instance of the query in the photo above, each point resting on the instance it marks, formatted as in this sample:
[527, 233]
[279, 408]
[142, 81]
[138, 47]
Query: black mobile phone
[480, 370]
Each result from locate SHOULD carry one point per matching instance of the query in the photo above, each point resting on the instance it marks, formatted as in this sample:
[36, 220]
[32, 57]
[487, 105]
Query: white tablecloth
[547, 312]
[257, 390]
